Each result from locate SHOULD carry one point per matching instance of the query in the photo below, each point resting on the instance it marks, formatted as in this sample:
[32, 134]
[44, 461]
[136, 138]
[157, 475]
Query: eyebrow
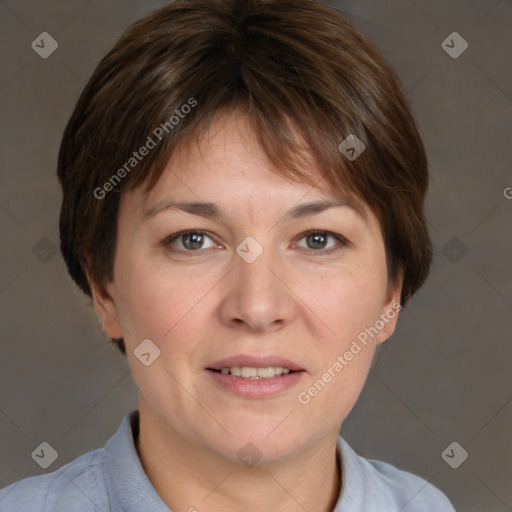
[211, 210]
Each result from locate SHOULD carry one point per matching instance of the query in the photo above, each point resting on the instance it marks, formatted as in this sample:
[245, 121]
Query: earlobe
[105, 307]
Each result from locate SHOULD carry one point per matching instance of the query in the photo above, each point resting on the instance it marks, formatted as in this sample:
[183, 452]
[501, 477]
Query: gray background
[446, 373]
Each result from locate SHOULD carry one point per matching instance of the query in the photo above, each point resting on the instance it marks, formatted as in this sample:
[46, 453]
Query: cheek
[161, 304]
[343, 363]
[346, 304]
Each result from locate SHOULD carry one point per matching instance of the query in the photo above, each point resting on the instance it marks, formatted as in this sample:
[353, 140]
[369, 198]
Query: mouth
[256, 376]
[254, 372]
[255, 367]
[255, 382]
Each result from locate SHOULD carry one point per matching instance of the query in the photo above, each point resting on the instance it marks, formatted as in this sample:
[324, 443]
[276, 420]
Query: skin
[208, 304]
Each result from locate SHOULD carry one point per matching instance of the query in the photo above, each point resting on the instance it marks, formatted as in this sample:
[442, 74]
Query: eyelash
[342, 242]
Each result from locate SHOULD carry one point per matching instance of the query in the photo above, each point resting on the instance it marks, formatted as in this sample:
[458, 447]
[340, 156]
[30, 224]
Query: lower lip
[256, 388]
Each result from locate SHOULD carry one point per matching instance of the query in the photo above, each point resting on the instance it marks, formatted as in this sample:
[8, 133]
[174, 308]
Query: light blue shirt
[112, 479]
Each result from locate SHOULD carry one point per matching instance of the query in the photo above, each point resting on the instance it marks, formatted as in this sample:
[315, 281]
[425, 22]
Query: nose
[258, 296]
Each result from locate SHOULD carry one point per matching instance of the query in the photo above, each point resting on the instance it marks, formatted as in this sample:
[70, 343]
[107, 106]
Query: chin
[265, 443]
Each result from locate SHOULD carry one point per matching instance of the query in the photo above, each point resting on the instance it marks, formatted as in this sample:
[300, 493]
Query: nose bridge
[256, 295]
[253, 263]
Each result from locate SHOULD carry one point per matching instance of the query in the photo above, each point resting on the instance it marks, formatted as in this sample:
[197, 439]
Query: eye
[188, 241]
[194, 240]
[317, 241]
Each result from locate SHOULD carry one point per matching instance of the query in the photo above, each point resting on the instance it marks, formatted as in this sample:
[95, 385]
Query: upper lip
[255, 361]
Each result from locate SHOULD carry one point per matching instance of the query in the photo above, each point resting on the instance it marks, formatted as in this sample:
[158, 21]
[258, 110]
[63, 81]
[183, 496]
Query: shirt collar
[135, 492]
[130, 483]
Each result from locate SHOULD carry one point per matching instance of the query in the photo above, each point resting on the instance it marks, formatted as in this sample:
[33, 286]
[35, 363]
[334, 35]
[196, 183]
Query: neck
[190, 477]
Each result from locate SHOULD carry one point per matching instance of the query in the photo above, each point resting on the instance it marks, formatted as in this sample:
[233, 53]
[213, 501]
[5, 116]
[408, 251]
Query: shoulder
[411, 492]
[78, 486]
[377, 486]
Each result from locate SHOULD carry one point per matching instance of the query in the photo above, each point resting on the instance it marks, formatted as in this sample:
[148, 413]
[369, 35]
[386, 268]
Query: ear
[104, 303]
[390, 310]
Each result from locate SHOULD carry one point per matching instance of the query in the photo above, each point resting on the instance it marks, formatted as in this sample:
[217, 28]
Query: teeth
[251, 372]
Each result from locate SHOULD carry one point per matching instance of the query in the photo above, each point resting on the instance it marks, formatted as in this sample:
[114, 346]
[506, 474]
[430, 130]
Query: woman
[243, 189]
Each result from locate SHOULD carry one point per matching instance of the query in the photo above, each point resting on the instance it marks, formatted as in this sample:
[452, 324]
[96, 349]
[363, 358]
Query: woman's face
[253, 289]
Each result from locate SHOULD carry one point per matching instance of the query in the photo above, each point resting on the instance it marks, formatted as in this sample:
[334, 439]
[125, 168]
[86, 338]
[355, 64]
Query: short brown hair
[292, 66]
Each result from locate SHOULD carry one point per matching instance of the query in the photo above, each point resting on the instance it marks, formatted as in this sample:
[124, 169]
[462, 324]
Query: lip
[255, 361]
[262, 388]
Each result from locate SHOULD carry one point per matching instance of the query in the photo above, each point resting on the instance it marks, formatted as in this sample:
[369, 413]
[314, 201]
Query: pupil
[196, 240]
[318, 237]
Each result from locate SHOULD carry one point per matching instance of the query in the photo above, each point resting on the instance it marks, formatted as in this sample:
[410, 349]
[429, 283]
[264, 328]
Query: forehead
[226, 164]
[229, 148]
